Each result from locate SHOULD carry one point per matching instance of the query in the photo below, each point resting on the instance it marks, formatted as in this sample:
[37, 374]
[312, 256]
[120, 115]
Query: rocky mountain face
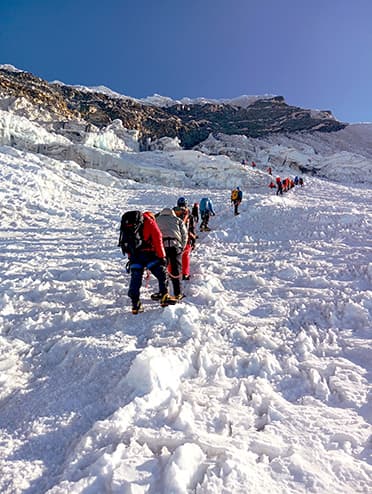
[25, 86]
[191, 123]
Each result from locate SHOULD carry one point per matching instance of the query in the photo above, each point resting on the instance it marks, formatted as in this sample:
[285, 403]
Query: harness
[170, 242]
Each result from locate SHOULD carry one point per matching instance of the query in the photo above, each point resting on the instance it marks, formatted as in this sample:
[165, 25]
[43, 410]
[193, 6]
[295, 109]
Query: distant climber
[195, 213]
[236, 199]
[206, 210]
[279, 186]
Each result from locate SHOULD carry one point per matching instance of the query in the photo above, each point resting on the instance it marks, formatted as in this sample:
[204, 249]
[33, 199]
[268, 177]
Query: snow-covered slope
[259, 381]
[115, 149]
[342, 156]
[338, 156]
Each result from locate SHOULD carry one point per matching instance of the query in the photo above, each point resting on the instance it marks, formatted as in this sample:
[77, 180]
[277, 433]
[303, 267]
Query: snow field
[258, 381]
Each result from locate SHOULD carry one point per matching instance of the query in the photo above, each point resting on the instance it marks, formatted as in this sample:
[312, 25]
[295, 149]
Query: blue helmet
[182, 202]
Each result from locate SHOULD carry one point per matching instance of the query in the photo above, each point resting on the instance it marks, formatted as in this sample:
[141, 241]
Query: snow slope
[260, 381]
[344, 156]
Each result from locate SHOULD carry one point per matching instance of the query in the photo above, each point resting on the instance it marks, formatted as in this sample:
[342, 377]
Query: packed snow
[258, 381]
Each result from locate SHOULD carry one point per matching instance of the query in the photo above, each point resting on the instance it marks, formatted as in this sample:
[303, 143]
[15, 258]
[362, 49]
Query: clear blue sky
[315, 53]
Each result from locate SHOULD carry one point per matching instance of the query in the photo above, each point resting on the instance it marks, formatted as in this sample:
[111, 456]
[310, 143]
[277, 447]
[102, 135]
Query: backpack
[234, 195]
[131, 232]
[204, 205]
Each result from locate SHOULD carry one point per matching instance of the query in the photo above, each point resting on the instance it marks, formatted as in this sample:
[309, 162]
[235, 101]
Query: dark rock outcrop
[35, 90]
[190, 123]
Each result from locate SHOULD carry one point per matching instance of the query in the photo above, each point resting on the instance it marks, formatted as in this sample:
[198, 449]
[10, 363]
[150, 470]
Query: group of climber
[280, 185]
[285, 184]
[162, 243]
[245, 162]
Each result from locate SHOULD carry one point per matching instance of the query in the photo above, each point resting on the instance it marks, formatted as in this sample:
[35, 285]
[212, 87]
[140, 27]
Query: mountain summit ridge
[191, 122]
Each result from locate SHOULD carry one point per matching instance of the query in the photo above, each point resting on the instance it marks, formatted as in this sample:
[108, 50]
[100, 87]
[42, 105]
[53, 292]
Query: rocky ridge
[191, 123]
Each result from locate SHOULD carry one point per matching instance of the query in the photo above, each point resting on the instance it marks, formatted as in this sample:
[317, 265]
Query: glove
[163, 261]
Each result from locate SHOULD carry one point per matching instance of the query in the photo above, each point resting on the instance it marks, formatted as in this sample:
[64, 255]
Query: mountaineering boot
[156, 296]
[137, 307]
[180, 296]
[167, 300]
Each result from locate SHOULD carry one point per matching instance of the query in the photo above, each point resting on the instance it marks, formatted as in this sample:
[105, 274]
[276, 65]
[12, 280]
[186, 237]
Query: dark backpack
[131, 232]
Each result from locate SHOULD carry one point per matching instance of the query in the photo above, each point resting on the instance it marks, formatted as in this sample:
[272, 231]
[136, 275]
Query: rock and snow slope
[258, 382]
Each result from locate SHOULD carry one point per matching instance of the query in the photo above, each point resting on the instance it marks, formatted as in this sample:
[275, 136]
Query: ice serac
[190, 122]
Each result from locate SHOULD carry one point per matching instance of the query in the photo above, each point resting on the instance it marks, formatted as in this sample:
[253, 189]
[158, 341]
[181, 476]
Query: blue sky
[317, 54]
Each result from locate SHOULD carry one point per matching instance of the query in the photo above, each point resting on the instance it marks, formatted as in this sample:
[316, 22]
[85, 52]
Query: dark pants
[205, 215]
[138, 263]
[174, 257]
[236, 206]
